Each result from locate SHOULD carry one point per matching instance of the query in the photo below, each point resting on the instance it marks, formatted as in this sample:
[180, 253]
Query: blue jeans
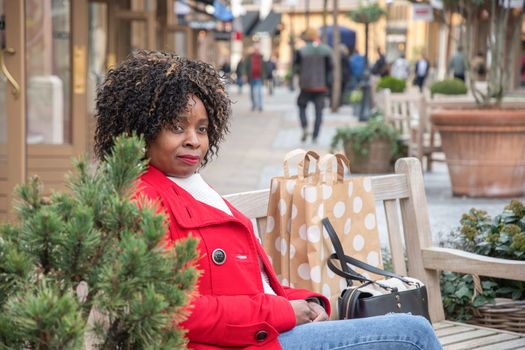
[390, 332]
[256, 94]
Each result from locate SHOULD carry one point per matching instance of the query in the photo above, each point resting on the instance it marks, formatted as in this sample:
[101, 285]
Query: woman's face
[179, 152]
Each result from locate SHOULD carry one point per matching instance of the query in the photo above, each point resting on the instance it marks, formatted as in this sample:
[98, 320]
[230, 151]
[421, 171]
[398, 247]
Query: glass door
[12, 103]
[56, 69]
[48, 69]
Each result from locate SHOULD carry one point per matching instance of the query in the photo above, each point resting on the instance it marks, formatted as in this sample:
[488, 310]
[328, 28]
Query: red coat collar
[191, 213]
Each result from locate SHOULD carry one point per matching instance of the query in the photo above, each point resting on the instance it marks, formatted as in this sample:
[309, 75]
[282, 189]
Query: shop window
[48, 69]
[97, 50]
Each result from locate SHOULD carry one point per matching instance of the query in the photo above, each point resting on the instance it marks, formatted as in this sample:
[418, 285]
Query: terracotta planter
[378, 159]
[484, 150]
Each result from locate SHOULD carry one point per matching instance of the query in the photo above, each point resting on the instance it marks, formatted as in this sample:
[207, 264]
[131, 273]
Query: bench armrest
[455, 260]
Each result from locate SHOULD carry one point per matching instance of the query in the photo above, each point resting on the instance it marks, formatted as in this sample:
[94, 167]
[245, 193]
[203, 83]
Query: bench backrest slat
[394, 236]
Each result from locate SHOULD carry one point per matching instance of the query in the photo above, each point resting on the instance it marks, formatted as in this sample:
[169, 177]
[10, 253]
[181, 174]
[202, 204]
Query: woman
[181, 109]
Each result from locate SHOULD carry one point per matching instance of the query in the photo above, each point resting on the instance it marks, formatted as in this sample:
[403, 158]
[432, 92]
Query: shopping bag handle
[303, 168]
[342, 161]
[345, 260]
[292, 154]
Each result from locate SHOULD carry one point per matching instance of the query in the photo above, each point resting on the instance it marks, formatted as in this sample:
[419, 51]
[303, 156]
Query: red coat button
[261, 336]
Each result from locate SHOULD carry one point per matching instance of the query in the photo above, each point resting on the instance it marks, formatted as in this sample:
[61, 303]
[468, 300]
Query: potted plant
[487, 301]
[483, 142]
[372, 147]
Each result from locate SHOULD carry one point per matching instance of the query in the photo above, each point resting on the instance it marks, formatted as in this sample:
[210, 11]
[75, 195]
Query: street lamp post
[366, 15]
[366, 102]
[292, 50]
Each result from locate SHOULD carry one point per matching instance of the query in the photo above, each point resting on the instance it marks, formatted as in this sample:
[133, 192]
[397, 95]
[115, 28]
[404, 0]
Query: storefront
[54, 53]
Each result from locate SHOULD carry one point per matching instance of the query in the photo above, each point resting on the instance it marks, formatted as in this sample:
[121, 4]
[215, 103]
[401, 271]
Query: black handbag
[373, 298]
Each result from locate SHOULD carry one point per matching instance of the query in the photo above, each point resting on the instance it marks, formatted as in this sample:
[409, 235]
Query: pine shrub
[89, 266]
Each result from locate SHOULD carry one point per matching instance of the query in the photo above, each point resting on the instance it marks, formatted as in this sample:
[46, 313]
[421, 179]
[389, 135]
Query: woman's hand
[308, 311]
[303, 312]
[319, 310]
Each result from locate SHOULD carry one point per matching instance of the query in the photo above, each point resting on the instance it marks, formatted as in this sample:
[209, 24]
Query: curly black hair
[148, 92]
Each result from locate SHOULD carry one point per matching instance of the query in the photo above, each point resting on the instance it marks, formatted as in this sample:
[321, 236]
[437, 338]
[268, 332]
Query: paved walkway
[253, 151]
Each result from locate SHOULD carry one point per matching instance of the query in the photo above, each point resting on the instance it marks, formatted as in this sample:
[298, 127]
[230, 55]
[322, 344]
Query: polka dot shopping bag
[299, 243]
[276, 238]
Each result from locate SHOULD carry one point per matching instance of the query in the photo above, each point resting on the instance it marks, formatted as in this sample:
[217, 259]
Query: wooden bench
[410, 114]
[403, 199]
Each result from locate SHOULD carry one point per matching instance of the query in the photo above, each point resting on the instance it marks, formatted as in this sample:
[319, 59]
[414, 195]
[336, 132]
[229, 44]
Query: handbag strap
[345, 259]
[348, 275]
[348, 272]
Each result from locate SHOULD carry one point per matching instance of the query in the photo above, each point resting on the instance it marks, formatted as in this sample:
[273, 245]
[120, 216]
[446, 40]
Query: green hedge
[448, 87]
[394, 84]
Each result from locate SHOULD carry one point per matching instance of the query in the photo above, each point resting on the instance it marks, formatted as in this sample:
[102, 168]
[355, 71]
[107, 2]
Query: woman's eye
[178, 128]
[203, 129]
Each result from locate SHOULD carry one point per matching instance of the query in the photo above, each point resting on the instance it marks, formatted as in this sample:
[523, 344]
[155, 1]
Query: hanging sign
[422, 12]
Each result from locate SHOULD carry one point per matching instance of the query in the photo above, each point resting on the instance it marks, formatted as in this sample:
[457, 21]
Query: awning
[222, 13]
[249, 21]
[271, 24]
[347, 36]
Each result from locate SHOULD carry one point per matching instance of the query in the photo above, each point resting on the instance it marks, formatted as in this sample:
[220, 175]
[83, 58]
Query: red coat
[232, 310]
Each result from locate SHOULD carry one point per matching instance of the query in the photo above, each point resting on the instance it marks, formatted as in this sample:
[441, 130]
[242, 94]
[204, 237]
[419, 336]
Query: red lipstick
[189, 159]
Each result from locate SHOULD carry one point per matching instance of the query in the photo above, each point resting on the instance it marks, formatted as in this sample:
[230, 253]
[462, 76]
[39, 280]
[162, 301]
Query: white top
[400, 69]
[201, 191]
[422, 68]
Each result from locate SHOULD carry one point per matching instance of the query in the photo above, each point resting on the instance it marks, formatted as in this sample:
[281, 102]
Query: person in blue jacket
[357, 69]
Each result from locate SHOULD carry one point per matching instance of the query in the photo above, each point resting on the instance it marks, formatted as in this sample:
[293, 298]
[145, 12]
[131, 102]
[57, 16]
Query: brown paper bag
[350, 206]
[276, 239]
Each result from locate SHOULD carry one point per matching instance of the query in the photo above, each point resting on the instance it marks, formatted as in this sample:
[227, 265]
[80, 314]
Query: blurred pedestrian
[313, 63]
[457, 64]
[255, 74]
[239, 74]
[400, 68]
[380, 66]
[226, 70]
[270, 66]
[478, 67]
[357, 69]
[421, 71]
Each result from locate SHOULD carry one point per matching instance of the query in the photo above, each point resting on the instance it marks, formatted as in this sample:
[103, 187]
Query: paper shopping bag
[276, 238]
[350, 206]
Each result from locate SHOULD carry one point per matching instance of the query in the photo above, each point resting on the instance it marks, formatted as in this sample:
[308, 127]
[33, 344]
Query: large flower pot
[484, 150]
[377, 160]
